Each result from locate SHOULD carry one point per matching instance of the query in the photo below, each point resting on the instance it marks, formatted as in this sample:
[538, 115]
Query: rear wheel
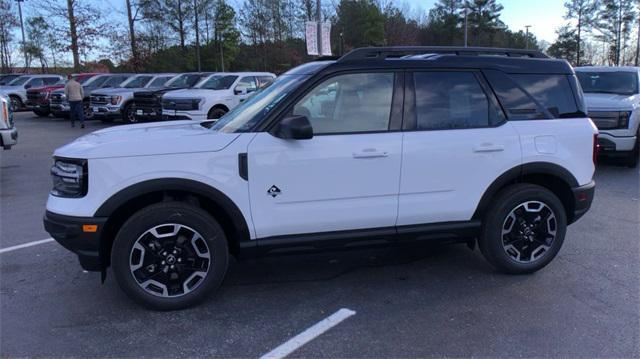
[170, 256]
[523, 229]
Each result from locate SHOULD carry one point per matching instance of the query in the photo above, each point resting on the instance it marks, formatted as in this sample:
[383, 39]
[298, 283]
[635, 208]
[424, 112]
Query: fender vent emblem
[273, 191]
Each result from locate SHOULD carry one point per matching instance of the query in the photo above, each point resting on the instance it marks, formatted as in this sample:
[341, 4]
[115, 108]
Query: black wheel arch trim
[181, 185]
[515, 174]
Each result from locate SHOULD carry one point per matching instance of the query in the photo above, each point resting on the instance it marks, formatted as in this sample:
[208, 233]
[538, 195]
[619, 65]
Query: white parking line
[25, 245]
[308, 335]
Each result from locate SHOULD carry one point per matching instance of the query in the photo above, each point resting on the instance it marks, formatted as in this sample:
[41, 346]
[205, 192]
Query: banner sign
[311, 34]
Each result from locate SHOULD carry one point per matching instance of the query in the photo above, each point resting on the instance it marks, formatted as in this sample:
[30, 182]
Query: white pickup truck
[612, 95]
[213, 96]
[8, 132]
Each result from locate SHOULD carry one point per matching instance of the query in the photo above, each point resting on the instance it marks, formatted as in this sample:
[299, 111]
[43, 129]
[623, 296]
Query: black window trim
[395, 113]
[410, 124]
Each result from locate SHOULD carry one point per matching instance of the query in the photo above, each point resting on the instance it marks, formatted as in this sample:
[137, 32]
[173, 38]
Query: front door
[346, 177]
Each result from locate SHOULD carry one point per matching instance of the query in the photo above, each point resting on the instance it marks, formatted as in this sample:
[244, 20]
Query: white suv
[8, 132]
[612, 95]
[442, 144]
[16, 90]
[213, 96]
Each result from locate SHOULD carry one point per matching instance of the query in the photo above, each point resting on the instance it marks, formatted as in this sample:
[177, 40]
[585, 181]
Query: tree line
[166, 35]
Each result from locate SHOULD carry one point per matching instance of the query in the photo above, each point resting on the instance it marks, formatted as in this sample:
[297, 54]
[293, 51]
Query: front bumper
[148, 113]
[37, 105]
[60, 107]
[8, 137]
[609, 143]
[183, 115]
[108, 111]
[582, 197]
[70, 232]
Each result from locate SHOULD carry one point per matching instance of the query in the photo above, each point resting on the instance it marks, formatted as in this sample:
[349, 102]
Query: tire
[215, 113]
[86, 107]
[15, 103]
[634, 156]
[128, 114]
[532, 245]
[166, 227]
[42, 113]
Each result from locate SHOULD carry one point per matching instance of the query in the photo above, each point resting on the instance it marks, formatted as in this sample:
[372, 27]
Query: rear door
[456, 143]
[346, 177]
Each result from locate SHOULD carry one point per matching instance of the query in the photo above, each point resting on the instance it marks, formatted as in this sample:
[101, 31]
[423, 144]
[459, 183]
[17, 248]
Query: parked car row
[138, 97]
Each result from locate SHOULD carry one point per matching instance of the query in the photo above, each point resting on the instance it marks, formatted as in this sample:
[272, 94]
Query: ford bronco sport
[383, 145]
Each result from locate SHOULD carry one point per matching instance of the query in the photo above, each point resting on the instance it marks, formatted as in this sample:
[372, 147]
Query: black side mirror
[293, 128]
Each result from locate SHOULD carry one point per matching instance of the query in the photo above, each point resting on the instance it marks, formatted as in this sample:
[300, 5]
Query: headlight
[623, 119]
[5, 114]
[69, 178]
[115, 99]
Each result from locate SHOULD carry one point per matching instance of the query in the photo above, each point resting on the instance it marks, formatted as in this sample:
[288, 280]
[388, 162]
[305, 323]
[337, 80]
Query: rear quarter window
[536, 96]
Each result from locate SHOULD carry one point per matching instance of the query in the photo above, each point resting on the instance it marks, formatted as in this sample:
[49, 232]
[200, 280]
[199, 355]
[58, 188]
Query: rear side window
[552, 92]
[450, 100]
[535, 96]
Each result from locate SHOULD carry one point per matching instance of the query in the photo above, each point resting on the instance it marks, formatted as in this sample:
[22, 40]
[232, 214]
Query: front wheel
[42, 113]
[215, 113]
[523, 229]
[634, 156]
[15, 103]
[86, 108]
[129, 114]
[170, 256]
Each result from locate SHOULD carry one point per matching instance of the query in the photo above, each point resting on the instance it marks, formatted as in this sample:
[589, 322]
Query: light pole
[24, 45]
[466, 14]
[526, 36]
[195, 10]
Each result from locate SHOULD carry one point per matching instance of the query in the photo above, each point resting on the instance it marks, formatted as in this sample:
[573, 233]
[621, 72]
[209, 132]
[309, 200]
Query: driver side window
[350, 103]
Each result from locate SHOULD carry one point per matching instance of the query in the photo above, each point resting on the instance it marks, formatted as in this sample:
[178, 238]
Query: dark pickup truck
[147, 105]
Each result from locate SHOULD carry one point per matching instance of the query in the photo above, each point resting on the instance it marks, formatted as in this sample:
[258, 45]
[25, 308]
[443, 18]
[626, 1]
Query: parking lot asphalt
[409, 302]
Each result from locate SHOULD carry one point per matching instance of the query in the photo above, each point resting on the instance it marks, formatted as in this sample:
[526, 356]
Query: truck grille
[98, 99]
[180, 104]
[36, 96]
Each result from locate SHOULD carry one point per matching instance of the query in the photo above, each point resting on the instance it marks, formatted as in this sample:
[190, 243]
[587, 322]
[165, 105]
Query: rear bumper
[583, 197]
[609, 143]
[8, 137]
[68, 231]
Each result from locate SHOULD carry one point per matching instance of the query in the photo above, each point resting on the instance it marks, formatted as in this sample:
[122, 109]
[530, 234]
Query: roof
[506, 60]
[608, 68]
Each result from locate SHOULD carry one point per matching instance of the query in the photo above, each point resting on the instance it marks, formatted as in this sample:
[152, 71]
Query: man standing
[74, 92]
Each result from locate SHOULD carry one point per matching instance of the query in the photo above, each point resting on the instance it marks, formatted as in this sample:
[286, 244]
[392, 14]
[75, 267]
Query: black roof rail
[381, 53]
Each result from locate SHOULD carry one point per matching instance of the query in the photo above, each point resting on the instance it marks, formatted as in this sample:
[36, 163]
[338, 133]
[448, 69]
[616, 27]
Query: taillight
[596, 149]
[5, 113]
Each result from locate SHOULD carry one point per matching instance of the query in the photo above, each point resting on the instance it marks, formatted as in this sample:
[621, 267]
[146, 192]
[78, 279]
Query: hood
[192, 93]
[158, 90]
[611, 102]
[147, 139]
[45, 88]
[10, 88]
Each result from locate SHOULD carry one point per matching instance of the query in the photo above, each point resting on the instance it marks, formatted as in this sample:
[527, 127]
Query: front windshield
[136, 82]
[160, 81]
[619, 82]
[19, 81]
[217, 82]
[115, 81]
[244, 117]
[81, 80]
[184, 80]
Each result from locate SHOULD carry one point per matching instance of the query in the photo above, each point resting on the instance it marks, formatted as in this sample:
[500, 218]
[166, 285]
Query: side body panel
[565, 142]
[446, 172]
[327, 183]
